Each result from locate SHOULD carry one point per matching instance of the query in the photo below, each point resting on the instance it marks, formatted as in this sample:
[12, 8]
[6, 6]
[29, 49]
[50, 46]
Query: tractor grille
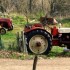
[65, 38]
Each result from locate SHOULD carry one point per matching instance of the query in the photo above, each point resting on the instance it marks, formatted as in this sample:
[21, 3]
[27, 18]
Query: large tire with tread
[44, 39]
[2, 31]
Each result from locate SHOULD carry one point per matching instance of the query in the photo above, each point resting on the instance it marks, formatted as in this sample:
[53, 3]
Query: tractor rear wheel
[2, 31]
[39, 42]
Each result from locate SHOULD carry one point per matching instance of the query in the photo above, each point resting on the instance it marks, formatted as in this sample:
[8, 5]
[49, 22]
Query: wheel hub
[38, 44]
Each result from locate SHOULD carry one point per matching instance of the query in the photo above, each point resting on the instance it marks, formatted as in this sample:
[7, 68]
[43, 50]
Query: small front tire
[2, 31]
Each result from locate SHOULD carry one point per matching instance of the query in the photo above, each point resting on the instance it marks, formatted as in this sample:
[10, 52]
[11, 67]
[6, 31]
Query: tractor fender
[26, 33]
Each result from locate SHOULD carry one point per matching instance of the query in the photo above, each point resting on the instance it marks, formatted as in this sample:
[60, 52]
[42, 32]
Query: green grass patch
[58, 52]
[66, 22]
[19, 20]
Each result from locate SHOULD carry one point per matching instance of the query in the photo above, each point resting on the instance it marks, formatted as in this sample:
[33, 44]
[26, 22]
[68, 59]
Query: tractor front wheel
[39, 42]
[2, 31]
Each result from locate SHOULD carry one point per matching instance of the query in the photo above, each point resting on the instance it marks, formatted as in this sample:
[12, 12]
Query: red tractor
[40, 41]
[5, 24]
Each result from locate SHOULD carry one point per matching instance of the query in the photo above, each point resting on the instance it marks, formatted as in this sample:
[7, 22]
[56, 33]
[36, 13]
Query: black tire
[2, 31]
[43, 33]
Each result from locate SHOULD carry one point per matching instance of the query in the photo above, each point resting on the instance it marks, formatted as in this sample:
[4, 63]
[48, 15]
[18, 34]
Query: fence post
[24, 44]
[21, 41]
[18, 46]
[1, 44]
[35, 62]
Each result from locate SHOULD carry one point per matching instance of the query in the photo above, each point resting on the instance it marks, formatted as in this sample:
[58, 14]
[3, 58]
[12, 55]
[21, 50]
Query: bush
[19, 20]
[66, 20]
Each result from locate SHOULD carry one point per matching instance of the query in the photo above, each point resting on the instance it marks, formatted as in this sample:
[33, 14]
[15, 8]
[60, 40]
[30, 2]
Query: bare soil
[43, 64]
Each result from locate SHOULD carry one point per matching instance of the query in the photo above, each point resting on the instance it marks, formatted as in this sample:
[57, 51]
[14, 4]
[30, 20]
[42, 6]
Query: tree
[59, 7]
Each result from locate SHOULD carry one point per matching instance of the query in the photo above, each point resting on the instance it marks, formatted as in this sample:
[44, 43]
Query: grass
[58, 52]
[65, 22]
[19, 23]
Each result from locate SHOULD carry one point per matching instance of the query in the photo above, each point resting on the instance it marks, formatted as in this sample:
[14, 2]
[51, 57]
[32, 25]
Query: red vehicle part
[29, 28]
[6, 23]
[55, 40]
[54, 31]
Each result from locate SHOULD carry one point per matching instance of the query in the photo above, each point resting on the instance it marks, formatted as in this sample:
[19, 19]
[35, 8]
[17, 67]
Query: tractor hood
[64, 30]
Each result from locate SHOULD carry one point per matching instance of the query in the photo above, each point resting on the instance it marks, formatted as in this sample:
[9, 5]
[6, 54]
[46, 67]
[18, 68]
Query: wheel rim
[38, 44]
[2, 31]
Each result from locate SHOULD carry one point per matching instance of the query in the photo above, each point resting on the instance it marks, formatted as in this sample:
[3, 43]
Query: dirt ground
[43, 64]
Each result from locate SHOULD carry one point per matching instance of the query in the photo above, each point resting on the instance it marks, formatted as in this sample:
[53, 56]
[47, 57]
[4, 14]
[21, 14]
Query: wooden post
[10, 47]
[22, 42]
[1, 44]
[35, 62]
[18, 46]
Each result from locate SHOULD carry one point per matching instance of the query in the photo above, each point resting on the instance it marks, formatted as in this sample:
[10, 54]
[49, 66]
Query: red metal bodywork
[34, 26]
[55, 39]
[55, 42]
[7, 20]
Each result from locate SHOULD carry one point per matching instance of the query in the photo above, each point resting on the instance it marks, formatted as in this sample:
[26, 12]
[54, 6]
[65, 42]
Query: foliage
[55, 7]
[19, 20]
[66, 22]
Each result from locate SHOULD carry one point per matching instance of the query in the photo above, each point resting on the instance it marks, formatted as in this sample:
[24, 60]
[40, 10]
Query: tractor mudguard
[26, 33]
